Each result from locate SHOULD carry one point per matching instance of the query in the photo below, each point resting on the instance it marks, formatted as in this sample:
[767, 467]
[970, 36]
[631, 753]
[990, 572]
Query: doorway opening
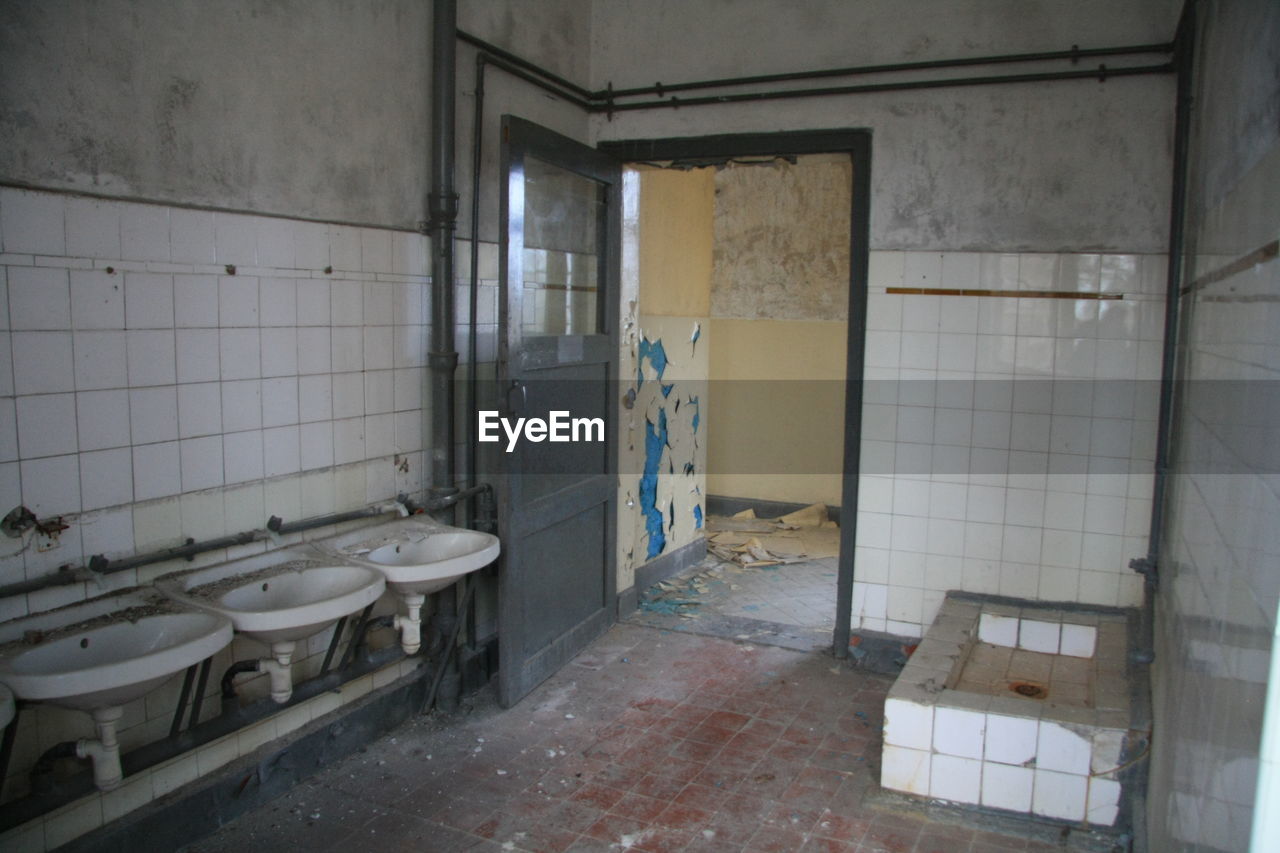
[748, 259]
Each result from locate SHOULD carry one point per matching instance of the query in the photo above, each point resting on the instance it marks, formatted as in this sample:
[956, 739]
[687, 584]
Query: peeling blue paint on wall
[697, 413]
[697, 518]
[655, 441]
[657, 356]
[666, 390]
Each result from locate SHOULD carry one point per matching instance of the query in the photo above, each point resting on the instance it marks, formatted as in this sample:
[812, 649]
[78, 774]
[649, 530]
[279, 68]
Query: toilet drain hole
[1026, 688]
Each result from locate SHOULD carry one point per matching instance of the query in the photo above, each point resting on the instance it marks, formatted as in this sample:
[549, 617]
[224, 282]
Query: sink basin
[112, 659]
[282, 603]
[416, 556]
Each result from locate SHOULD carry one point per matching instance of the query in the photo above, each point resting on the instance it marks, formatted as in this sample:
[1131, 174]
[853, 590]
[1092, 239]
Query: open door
[557, 353]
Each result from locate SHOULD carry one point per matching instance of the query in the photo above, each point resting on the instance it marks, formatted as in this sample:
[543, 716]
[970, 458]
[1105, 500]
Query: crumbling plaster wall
[1066, 166]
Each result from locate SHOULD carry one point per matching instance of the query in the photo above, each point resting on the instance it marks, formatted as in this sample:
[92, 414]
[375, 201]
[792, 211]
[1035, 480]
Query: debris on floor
[807, 533]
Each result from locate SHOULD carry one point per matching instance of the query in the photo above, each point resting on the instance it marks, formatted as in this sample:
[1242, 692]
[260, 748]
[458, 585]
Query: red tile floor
[649, 741]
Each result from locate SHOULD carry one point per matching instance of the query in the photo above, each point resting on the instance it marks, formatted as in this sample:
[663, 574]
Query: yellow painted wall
[676, 210]
[775, 430]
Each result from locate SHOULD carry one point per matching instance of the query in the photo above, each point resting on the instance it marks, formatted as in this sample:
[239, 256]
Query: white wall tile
[279, 401]
[103, 419]
[311, 245]
[196, 301]
[1006, 787]
[908, 724]
[316, 444]
[959, 732]
[998, 630]
[51, 486]
[239, 353]
[905, 770]
[144, 232]
[1061, 749]
[32, 222]
[348, 440]
[153, 414]
[241, 405]
[8, 431]
[101, 360]
[378, 392]
[191, 236]
[97, 300]
[1059, 795]
[280, 447]
[242, 456]
[235, 238]
[346, 301]
[106, 478]
[199, 409]
[378, 354]
[198, 355]
[237, 300]
[42, 362]
[314, 354]
[313, 302]
[347, 349]
[201, 461]
[1078, 640]
[152, 358]
[46, 425]
[1011, 740]
[39, 298]
[1037, 636]
[93, 228]
[148, 301]
[278, 301]
[958, 780]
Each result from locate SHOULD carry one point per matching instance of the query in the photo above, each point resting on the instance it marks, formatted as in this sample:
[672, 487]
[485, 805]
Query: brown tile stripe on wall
[1007, 294]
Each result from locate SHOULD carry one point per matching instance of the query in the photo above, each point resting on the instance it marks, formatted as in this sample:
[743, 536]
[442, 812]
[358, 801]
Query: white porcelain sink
[418, 557]
[113, 659]
[281, 603]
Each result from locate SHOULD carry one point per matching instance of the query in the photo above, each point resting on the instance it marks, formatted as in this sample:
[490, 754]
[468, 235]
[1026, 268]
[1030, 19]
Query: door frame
[856, 143]
[520, 138]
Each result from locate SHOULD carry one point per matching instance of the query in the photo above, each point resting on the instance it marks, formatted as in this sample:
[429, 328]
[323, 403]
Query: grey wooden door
[558, 351]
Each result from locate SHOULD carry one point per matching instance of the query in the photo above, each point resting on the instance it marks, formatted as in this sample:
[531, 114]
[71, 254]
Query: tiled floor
[650, 740]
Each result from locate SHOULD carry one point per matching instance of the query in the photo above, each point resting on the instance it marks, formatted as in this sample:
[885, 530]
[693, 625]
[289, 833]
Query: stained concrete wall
[315, 109]
[1047, 167]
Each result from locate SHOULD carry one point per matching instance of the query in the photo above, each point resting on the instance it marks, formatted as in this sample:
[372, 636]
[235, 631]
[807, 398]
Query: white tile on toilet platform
[1059, 795]
[998, 630]
[1037, 636]
[1078, 641]
[956, 779]
[1104, 802]
[905, 770]
[1011, 740]
[958, 732]
[1061, 749]
[1007, 787]
[908, 724]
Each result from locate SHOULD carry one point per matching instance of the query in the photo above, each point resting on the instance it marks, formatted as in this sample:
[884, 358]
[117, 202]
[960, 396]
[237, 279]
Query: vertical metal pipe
[1149, 566]
[443, 358]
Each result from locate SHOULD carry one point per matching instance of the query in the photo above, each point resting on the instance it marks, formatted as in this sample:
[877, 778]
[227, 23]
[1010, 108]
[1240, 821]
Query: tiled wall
[1215, 764]
[148, 394]
[1007, 439]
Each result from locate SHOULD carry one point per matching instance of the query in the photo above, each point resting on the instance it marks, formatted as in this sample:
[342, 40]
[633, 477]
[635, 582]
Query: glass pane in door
[563, 216]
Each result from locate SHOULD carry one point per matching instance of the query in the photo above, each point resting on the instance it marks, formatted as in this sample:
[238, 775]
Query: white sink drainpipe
[105, 751]
[279, 669]
[410, 627]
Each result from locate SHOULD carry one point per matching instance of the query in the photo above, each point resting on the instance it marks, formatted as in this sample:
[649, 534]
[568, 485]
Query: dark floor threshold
[727, 506]
[199, 809]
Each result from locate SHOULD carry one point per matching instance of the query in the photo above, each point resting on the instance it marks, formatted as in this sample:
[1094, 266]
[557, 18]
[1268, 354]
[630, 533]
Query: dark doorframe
[857, 144]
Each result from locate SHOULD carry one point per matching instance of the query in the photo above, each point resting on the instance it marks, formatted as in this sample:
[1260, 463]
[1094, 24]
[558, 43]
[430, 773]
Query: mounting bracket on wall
[1146, 567]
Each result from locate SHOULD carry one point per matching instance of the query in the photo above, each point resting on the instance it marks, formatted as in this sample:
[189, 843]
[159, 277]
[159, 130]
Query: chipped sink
[417, 556]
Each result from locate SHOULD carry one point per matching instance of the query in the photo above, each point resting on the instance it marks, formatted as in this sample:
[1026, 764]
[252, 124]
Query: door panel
[558, 351]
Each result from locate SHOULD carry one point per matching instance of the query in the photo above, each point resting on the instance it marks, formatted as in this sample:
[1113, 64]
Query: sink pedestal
[105, 751]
